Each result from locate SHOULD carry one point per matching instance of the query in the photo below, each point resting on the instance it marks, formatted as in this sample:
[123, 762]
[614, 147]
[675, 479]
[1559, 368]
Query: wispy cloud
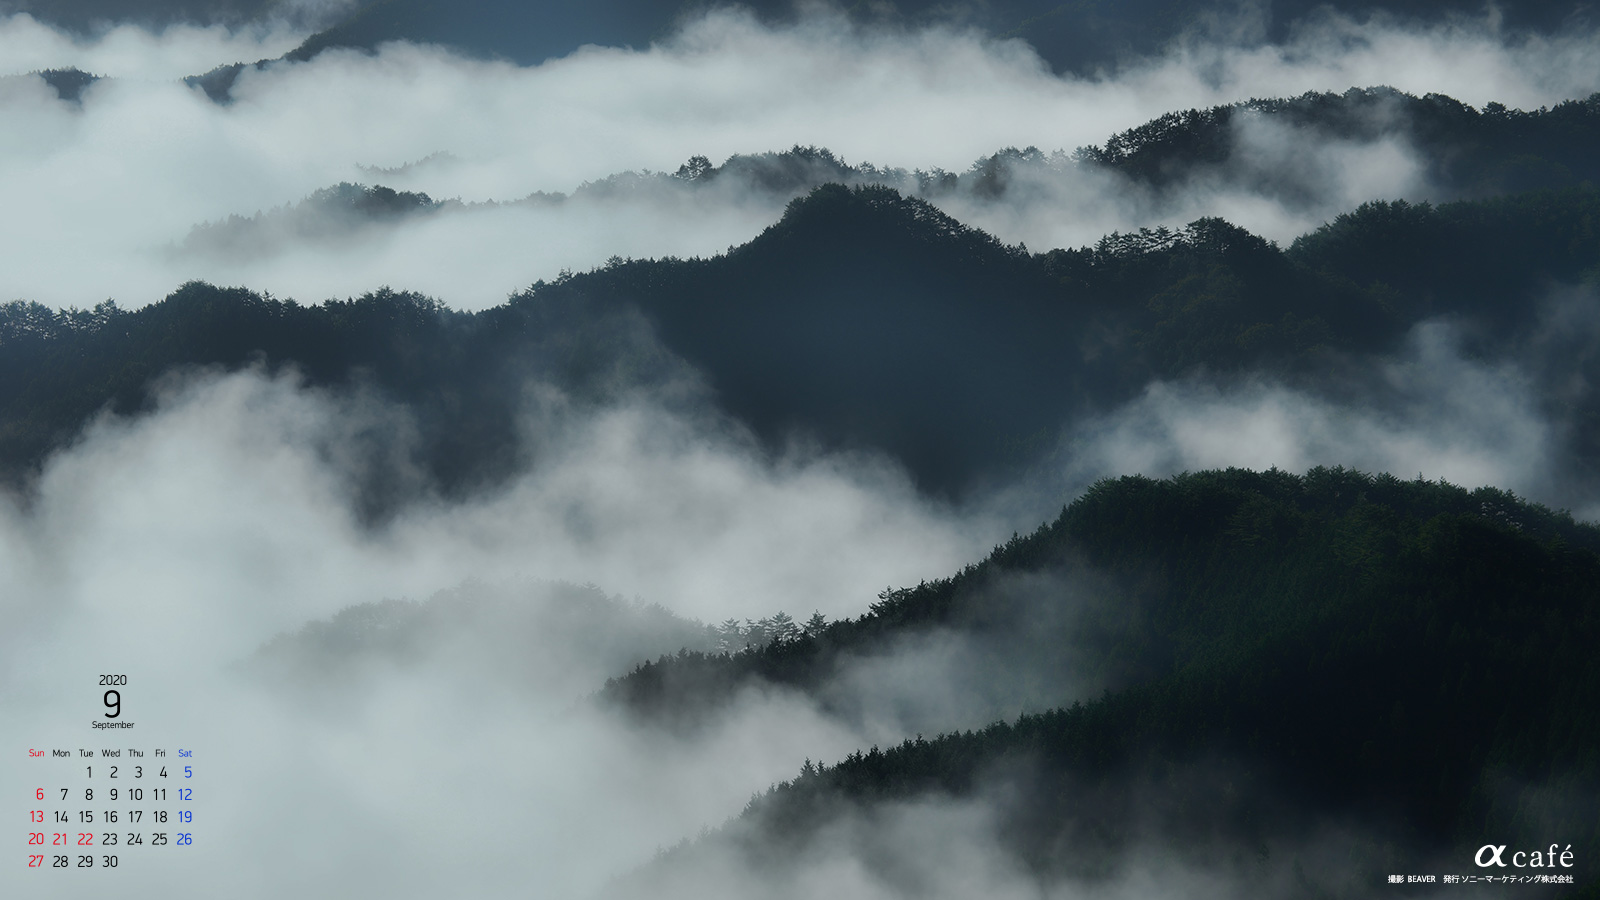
[101, 196]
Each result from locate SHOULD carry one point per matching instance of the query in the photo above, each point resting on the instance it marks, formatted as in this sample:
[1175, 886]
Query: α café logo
[1494, 855]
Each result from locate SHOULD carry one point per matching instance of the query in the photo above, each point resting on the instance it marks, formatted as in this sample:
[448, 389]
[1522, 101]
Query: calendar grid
[104, 807]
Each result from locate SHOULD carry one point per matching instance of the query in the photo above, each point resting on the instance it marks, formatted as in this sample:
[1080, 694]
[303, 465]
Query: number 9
[114, 705]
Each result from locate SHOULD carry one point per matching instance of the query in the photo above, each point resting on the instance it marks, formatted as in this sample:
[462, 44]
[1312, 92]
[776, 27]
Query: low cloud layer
[136, 53]
[171, 547]
[102, 195]
[241, 487]
[1280, 181]
[1434, 410]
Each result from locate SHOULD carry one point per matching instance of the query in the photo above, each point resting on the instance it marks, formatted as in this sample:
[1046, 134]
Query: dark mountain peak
[526, 33]
[793, 170]
[218, 82]
[345, 212]
[849, 219]
[69, 83]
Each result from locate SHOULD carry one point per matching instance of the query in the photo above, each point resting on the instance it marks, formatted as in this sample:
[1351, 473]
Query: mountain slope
[864, 319]
[1466, 152]
[1407, 659]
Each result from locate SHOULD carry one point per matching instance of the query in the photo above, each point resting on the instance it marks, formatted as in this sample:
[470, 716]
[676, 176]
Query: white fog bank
[101, 194]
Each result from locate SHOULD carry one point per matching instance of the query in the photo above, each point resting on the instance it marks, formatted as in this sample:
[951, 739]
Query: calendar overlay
[110, 804]
[99, 807]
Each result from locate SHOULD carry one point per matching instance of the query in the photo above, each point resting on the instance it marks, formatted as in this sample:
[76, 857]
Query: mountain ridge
[1439, 624]
[1037, 338]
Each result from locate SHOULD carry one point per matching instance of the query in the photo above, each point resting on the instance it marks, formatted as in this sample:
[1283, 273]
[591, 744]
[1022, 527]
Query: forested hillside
[1409, 658]
[864, 318]
[1468, 152]
[461, 376]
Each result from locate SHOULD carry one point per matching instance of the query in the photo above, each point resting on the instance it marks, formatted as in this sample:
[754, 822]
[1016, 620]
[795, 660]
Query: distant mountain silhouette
[90, 15]
[1077, 37]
